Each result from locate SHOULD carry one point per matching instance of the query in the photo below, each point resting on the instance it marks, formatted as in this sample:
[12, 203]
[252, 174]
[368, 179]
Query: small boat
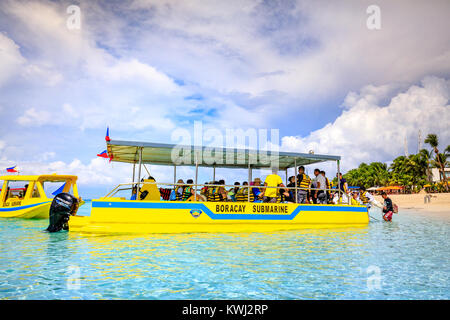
[144, 210]
[26, 196]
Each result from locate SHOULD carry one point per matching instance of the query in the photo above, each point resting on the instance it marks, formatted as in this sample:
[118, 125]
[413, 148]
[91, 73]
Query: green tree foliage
[412, 172]
[368, 175]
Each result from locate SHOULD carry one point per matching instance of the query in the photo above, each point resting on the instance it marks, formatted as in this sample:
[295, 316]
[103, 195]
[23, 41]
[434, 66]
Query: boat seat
[152, 189]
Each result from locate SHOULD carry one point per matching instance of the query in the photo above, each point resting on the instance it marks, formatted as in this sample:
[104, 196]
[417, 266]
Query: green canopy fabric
[170, 154]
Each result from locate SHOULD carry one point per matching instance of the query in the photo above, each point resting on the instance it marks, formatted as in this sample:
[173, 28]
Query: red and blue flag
[103, 154]
[12, 169]
[107, 135]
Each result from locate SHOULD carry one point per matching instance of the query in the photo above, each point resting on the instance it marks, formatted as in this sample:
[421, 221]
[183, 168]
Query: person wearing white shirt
[320, 196]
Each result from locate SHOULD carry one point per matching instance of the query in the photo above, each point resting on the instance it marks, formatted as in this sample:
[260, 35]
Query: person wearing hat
[257, 193]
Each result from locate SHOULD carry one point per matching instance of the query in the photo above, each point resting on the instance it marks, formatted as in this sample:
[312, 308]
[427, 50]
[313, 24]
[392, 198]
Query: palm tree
[426, 156]
[433, 141]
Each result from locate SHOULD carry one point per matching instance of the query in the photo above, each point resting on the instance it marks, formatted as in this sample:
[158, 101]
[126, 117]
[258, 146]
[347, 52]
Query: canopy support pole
[196, 176]
[287, 178]
[139, 173]
[148, 172]
[338, 180]
[295, 176]
[134, 174]
[214, 173]
[174, 174]
[249, 181]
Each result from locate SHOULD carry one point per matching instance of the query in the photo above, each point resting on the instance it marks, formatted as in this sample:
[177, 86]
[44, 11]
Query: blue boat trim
[218, 216]
[23, 207]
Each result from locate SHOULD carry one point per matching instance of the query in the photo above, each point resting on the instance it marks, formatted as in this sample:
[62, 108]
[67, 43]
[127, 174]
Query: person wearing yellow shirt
[272, 180]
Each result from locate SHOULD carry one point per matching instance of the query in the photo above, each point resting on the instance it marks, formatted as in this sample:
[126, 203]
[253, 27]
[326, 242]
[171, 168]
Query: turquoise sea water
[405, 259]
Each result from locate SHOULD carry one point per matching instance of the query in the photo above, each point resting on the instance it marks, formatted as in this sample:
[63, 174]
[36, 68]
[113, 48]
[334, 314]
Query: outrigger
[30, 200]
[113, 214]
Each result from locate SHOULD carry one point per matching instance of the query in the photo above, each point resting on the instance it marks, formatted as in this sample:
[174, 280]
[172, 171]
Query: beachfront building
[437, 176]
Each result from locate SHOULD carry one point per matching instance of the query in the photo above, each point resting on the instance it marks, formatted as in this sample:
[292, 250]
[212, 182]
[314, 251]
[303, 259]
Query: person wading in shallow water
[388, 208]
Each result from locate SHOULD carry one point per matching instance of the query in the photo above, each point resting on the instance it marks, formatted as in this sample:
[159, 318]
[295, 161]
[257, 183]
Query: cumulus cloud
[369, 131]
[10, 58]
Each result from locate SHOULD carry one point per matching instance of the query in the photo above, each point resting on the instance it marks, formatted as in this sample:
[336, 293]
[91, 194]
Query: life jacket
[280, 196]
[328, 184]
[354, 202]
[214, 195]
[187, 192]
[306, 181]
[165, 193]
[178, 196]
[242, 195]
[363, 197]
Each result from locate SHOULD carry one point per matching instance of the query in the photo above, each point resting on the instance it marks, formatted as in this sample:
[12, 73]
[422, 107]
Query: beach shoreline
[439, 205]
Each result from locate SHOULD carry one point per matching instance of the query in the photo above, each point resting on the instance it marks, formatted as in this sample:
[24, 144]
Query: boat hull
[145, 217]
[28, 211]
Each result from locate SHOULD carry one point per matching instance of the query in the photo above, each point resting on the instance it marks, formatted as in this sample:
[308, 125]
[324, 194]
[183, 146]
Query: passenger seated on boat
[204, 190]
[213, 193]
[223, 191]
[355, 200]
[187, 190]
[283, 196]
[134, 193]
[256, 190]
[242, 195]
[272, 180]
[291, 192]
[233, 191]
[179, 190]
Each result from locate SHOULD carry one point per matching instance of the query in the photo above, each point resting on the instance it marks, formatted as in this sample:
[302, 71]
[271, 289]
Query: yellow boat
[24, 196]
[149, 213]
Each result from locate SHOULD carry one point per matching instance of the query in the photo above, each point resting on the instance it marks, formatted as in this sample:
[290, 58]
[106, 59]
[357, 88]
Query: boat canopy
[161, 154]
[43, 177]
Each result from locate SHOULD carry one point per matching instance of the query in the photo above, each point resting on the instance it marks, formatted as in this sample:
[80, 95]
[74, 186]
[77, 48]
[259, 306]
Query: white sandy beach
[439, 206]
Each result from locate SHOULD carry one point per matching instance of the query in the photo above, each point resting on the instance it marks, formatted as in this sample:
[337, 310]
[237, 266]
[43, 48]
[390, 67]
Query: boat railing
[132, 185]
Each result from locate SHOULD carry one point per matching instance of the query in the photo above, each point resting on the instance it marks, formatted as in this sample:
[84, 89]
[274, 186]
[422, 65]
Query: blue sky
[311, 69]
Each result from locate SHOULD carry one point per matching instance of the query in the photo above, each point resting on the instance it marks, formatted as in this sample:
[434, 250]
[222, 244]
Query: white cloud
[10, 59]
[33, 117]
[369, 132]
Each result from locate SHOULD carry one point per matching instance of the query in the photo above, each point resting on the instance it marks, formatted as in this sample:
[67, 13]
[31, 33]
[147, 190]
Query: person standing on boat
[343, 186]
[320, 196]
[388, 208]
[303, 182]
[272, 180]
[328, 186]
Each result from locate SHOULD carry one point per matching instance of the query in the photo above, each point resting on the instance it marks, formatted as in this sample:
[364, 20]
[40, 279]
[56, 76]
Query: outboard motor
[63, 205]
